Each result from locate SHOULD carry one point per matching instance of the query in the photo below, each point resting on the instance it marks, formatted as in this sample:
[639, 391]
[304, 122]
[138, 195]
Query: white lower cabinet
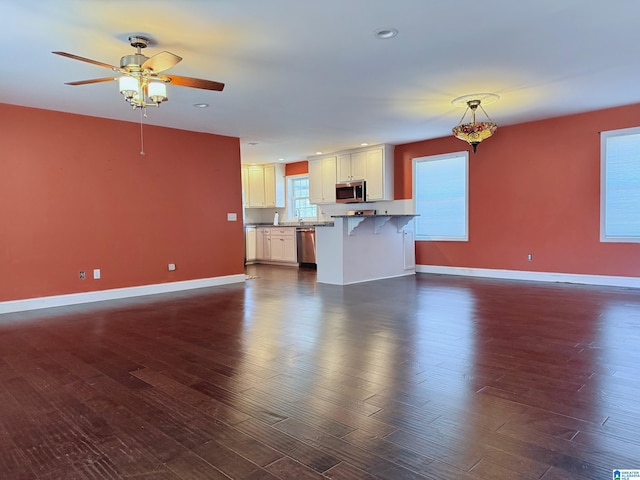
[263, 243]
[409, 249]
[250, 244]
[276, 245]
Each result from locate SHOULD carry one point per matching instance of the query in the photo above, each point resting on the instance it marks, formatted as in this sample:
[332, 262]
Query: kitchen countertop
[290, 224]
[377, 215]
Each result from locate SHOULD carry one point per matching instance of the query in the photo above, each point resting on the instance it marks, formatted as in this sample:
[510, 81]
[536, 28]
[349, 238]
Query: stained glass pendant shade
[474, 132]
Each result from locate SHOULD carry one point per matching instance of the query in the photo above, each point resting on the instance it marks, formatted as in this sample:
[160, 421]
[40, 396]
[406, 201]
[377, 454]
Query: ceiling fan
[140, 80]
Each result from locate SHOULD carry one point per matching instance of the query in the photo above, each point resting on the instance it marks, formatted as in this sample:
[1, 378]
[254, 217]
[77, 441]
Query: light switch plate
[232, 217]
[96, 274]
[172, 267]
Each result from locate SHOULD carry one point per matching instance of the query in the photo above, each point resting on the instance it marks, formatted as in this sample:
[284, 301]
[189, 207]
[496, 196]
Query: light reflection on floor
[457, 355]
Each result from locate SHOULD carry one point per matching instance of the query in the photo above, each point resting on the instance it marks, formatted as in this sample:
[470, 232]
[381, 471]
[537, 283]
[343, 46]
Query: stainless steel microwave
[354, 191]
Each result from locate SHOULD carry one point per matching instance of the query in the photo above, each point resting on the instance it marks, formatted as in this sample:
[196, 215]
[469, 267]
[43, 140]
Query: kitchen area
[334, 213]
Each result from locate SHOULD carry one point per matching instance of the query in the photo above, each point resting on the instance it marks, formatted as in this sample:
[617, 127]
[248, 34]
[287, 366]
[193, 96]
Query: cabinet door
[263, 244]
[375, 174]
[269, 186]
[267, 245]
[278, 181]
[250, 244]
[359, 166]
[245, 186]
[409, 247]
[344, 168]
[256, 186]
[290, 251]
[315, 181]
[329, 179]
[277, 248]
[259, 244]
[322, 180]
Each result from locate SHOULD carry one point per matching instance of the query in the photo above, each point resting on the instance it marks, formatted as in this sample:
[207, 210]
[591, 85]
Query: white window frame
[431, 158]
[291, 213]
[604, 136]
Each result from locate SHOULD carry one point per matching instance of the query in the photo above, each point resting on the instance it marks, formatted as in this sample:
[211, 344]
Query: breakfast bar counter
[361, 248]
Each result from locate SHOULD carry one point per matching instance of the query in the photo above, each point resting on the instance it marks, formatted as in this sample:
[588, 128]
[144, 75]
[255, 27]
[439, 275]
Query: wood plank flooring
[426, 377]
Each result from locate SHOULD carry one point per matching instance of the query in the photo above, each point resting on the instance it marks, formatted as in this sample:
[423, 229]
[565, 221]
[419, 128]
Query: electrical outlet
[96, 274]
[172, 267]
[530, 256]
[81, 275]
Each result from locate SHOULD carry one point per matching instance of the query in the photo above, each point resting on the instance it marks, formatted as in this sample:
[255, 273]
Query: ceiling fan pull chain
[141, 132]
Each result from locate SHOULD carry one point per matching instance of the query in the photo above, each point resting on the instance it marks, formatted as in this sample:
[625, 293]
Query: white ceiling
[303, 76]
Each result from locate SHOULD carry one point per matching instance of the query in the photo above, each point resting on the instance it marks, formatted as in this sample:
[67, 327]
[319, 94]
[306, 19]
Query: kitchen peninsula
[361, 247]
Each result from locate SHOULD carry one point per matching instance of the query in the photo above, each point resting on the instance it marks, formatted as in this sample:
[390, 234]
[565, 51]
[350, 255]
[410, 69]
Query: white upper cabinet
[322, 180]
[351, 166]
[372, 164]
[255, 186]
[263, 186]
[379, 181]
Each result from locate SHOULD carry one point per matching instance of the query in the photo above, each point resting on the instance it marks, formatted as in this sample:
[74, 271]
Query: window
[298, 193]
[620, 185]
[440, 193]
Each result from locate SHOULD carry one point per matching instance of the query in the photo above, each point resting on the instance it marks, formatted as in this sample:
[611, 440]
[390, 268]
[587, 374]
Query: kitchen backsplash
[264, 215]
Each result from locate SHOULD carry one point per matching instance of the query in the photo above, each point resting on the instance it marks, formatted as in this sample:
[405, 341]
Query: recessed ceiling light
[201, 105]
[385, 33]
[318, 153]
[253, 143]
[281, 159]
[364, 144]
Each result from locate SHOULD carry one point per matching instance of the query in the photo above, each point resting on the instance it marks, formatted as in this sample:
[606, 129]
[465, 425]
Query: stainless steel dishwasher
[306, 243]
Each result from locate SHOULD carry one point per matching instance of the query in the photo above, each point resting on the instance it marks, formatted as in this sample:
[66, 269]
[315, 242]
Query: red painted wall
[75, 194]
[533, 188]
[297, 168]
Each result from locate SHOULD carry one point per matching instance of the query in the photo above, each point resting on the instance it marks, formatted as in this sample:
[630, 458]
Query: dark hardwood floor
[426, 377]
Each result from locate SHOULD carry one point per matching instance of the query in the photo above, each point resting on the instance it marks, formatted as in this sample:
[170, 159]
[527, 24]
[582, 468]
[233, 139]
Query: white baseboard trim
[115, 293]
[405, 274]
[604, 280]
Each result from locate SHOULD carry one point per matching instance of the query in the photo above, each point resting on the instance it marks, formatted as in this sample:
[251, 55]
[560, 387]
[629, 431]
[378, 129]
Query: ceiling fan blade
[193, 82]
[161, 62]
[94, 80]
[88, 60]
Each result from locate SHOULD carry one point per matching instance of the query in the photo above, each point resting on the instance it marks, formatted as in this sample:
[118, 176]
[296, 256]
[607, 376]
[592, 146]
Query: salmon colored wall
[75, 194]
[533, 188]
[297, 168]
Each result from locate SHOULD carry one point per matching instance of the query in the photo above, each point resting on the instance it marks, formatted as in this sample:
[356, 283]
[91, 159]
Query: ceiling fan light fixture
[128, 86]
[157, 92]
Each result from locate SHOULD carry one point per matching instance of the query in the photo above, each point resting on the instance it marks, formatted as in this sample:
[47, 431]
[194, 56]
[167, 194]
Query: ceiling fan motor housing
[133, 62]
